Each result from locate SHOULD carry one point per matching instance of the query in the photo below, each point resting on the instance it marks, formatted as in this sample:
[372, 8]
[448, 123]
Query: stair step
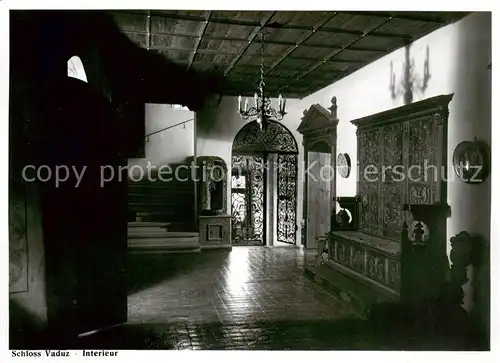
[148, 224]
[159, 233]
[146, 231]
[164, 243]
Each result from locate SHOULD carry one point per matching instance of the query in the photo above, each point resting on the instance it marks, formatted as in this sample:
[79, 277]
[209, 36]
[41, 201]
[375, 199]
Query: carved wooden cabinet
[398, 251]
[319, 130]
[402, 159]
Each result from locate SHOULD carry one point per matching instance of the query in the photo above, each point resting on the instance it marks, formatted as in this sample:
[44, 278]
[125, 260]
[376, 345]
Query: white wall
[459, 54]
[170, 146]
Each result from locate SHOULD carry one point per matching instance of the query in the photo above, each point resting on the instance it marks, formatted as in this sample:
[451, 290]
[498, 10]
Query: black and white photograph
[181, 178]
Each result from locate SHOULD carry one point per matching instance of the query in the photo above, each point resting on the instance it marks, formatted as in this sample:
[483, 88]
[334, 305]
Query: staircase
[162, 214]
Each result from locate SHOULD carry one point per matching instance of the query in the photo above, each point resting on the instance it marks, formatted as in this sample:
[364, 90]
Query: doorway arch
[264, 168]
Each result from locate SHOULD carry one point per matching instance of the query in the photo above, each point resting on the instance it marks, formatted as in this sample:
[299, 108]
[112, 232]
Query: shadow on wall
[410, 81]
[471, 118]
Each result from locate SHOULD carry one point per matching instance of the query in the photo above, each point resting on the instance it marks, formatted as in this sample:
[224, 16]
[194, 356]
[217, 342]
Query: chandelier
[262, 108]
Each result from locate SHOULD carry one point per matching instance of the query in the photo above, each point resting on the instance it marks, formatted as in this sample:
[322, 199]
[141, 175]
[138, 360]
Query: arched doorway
[264, 168]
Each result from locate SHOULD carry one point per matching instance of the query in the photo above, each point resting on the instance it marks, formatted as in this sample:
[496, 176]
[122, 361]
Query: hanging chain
[262, 83]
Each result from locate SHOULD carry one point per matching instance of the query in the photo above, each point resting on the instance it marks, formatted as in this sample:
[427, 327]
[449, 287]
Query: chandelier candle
[262, 109]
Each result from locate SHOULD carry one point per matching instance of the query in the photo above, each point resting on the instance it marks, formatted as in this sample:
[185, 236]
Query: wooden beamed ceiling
[304, 51]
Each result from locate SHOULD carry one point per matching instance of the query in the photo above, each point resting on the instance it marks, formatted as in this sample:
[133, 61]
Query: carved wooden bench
[410, 271]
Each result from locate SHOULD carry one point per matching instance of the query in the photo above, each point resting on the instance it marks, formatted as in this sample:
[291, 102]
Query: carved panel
[392, 165]
[214, 232]
[332, 249]
[392, 209]
[357, 259]
[419, 193]
[394, 275]
[369, 175]
[369, 211]
[343, 253]
[422, 148]
[376, 267]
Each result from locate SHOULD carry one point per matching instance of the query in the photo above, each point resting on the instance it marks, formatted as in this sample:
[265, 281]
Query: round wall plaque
[344, 165]
[471, 162]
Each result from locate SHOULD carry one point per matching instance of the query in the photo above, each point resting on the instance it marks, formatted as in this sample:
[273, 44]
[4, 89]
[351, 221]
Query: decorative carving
[358, 259]
[394, 275]
[276, 139]
[392, 209]
[376, 268]
[364, 200]
[321, 243]
[342, 253]
[461, 256]
[345, 297]
[410, 139]
[439, 119]
[393, 153]
[421, 150]
[319, 124]
[419, 194]
[369, 214]
[333, 108]
[419, 233]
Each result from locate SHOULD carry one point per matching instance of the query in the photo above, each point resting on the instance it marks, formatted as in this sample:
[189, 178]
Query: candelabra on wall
[411, 80]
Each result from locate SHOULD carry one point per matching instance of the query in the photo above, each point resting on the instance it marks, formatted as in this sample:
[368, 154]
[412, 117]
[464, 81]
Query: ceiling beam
[333, 54]
[201, 19]
[245, 40]
[306, 37]
[198, 41]
[359, 32]
[394, 15]
[214, 51]
[305, 27]
[250, 40]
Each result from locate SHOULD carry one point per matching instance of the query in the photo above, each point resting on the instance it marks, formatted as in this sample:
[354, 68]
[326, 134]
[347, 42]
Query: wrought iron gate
[250, 173]
[287, 198]
[247, 200]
